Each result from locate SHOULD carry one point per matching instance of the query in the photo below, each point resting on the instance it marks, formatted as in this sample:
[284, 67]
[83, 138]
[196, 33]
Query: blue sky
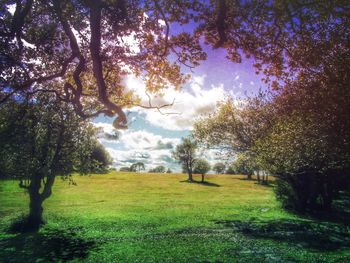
[152, 136]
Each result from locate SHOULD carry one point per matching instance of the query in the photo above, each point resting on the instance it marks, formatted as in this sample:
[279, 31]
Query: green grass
[130, 217]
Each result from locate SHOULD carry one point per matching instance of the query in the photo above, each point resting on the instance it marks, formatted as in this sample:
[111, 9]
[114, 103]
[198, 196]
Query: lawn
[130, 217]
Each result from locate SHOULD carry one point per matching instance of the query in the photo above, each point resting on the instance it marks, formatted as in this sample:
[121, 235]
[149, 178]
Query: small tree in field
[230, 170]
[137, 167]
[41, 139]
[244, 165]
[219, 168]
[201, 166]
[185, 153]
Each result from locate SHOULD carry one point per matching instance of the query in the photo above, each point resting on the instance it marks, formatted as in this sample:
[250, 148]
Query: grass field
[130, 217]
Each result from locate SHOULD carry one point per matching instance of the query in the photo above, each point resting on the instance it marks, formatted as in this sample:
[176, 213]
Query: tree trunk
[202, 178]
[327, 197]
[190, 176]
[35, 217]
[258, 176]
[249, 176]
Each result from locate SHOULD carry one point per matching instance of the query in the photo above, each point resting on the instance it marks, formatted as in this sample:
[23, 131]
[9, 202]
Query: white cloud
[143, 140]
[189, 103]
[138, 146]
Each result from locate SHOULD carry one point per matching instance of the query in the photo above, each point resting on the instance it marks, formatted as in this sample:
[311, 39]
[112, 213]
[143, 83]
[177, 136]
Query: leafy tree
[244, 164]
[137, 167]
[300, 132]
[158, 169]
[100, 158]
[185, 154]
[219, 168]
[83, 51]
[230, 169]
[169, 171]
[201, 166]
[41, 139]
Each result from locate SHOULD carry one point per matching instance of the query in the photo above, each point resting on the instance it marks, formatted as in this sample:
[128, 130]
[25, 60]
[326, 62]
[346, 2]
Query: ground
[131, 217]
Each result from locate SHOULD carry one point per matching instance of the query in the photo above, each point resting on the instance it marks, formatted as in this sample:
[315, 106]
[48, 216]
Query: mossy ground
[131, 217]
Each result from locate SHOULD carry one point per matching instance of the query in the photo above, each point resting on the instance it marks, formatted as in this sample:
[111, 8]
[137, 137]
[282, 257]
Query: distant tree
[124, 169]
[230, 170]
[137, 167]
[41, 139]
[169, 171]
[201, 166]
[244, 164]
[185, 153]
[219, 168]
[158, 169]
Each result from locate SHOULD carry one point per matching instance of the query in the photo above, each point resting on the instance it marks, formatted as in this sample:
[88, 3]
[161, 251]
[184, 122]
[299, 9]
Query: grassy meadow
[131, 217]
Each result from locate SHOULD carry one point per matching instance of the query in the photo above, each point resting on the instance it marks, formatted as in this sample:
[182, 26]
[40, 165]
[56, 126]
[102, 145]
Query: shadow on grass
[340, 213]
[205, 183]
[51, 245]
[308, 234]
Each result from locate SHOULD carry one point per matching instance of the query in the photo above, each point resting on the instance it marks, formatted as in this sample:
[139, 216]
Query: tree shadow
[340, 213]
[308, 234]
[49, 245]
[205, 183]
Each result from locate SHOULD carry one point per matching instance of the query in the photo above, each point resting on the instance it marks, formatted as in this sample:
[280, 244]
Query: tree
[169, 171]
[230, 169]
[137, 167]
[41, 139]
[301, 49]
[158, 169]
[219, 168]
[185, 154]
[83, 51]
[244, 164]
[100, 158]
[201, 166]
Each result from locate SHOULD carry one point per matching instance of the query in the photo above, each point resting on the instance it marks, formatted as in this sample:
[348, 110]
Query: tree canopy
[137, 167]
[219, 168]
[185, 154]
[201, 166]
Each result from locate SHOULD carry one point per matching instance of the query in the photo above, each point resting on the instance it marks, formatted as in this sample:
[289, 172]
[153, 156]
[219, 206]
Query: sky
[152, 136]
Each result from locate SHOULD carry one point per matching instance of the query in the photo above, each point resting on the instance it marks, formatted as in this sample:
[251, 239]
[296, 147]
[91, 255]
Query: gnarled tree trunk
[190, 178]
